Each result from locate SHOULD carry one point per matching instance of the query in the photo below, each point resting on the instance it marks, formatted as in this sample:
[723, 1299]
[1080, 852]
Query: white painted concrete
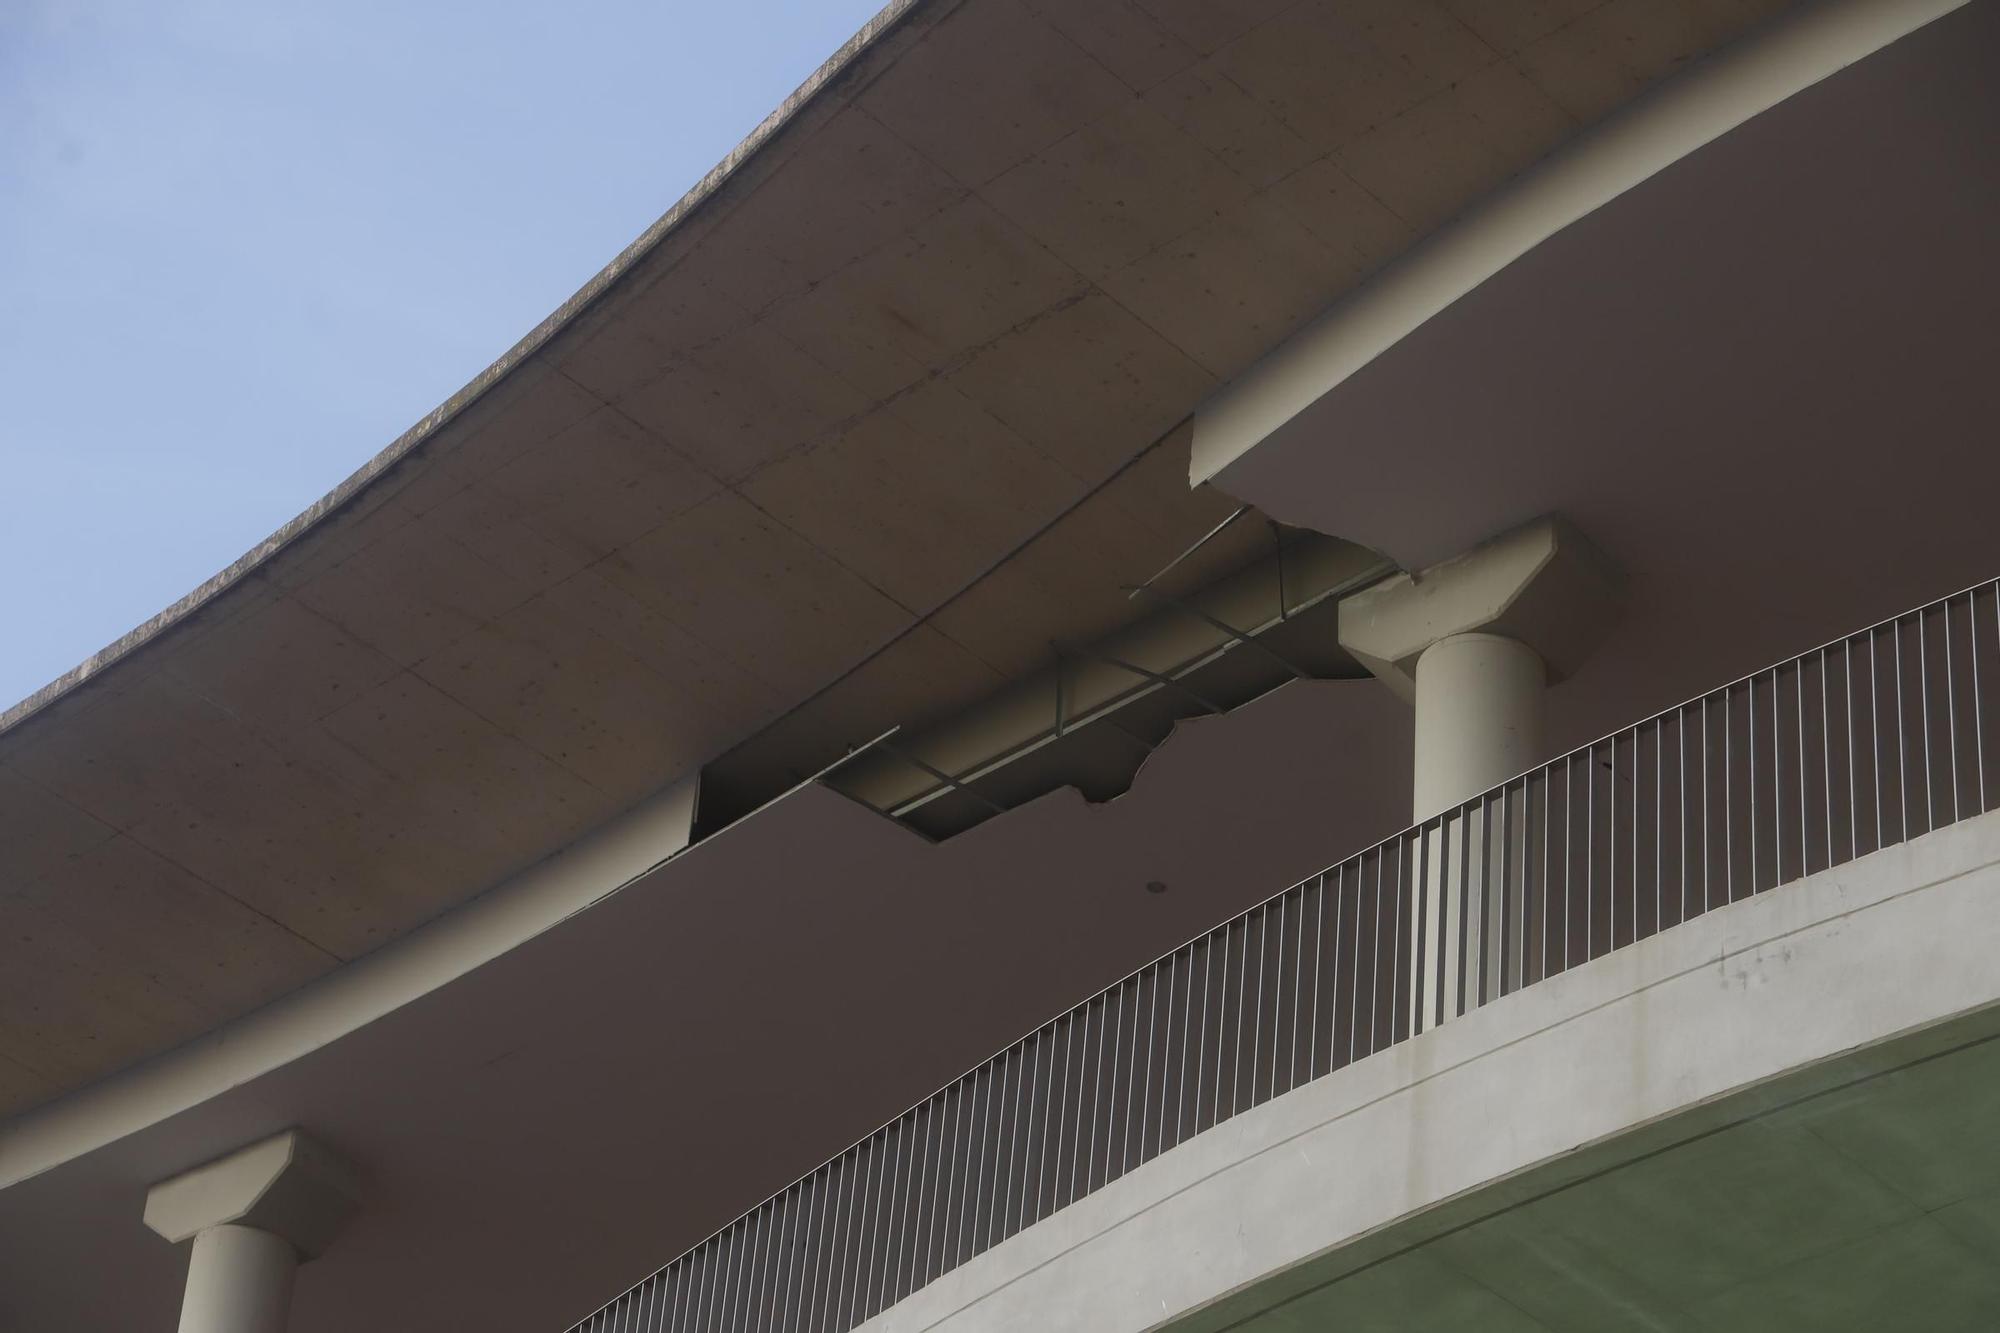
[1888, 945]
[1479, 718]
[1479, 723]
[239, 1281]
[1474, 642]
[254, 1214]
[1544, 583]
[1700, 106]
[286, 1184]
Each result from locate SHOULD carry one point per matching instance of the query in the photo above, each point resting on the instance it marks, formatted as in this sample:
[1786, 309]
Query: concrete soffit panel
[1275, 397]
[516, 358]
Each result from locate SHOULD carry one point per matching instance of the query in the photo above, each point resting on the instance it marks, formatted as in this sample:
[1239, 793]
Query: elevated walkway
[1777, 1116]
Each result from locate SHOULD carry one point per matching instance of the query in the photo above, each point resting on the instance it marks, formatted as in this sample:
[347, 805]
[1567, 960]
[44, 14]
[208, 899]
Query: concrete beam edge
[1633, 145]
[354, 994]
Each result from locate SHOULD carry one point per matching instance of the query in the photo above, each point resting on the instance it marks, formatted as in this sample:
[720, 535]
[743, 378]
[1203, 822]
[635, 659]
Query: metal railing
[1866, 742]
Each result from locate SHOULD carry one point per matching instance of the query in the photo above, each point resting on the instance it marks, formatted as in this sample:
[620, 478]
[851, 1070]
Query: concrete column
[239, 1281]
[254, 1215]
[1479, 717]
[1478, 723]
[1474, 643]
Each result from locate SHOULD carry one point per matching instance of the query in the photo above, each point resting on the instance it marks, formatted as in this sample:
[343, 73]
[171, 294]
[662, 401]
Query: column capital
[288, 1185]
[1543, 584]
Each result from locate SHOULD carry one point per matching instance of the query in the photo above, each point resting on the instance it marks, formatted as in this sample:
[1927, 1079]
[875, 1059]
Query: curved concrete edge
[1625, 1054]
[1693, 109]
[513, 359]
[354, 994]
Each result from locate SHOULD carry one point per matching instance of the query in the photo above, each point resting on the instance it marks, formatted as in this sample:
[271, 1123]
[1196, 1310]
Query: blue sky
[246, 243]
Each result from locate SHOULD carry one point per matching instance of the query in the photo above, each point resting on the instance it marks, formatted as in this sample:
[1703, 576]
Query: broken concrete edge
[1590, 170]
[289, 1185]
[623, 265]
[1175, 637]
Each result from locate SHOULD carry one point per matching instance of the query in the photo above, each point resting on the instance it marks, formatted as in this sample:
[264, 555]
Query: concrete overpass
[394, 831]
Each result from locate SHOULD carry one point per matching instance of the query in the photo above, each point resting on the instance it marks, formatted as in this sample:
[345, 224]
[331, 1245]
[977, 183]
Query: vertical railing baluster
[1805, 832]
[1778, 802]
[1131, 1072]
[1189, 1074]
[1902, 744]
[1853, 807]
[1611, 854]
[1020, 1115]
[1375, 953]
[1978, 705]
[895, 1250]
[843, 1214]
[1951, 709]
[1569, 848]
[853, 1255]
[1659, 832]
[802, 1279]
[1319, 938]
[1924, 717]
[1707, 799]
[909, 1161]
[1462, 964]
[687, 1307]
[1082, 1059]
[1298, 991]
[925, 1222]
[1681, 733]
[1542, 942]
[753, 1270]
[1397, 894]
[975, 1192]
[666, 1313]
[1634, 892]
[1751, 732]
[1505, 898]
[1237, 1041]
[1354, 975]
[1153, 1044]
[729, 1271]
[1826, 761]
[1257, 995]
[1111, 1106]
[950, 1162]
[1875, 727]
[764, 1293]
[1590, 855]
[1439, 978]
[1048, 1189]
